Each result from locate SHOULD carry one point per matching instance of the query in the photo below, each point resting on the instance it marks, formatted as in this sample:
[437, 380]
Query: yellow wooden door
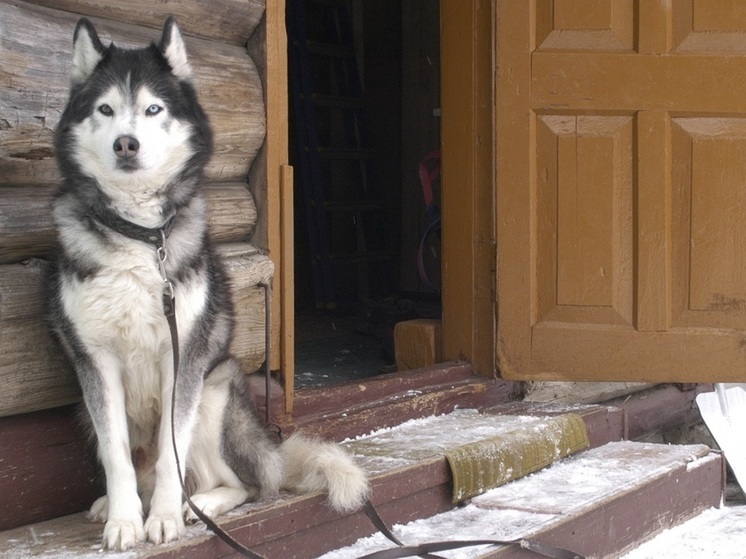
[621, 189]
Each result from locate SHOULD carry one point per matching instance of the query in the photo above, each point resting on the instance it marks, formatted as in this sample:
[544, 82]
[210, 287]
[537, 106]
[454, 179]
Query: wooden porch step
[599, 503]
[304, 527]
[404, 489]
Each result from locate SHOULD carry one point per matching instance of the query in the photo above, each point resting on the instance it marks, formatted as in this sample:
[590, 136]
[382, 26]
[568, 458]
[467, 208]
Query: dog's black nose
[126, 146]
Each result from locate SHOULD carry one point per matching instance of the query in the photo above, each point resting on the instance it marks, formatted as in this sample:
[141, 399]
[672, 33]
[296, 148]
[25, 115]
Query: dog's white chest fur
[118, 312]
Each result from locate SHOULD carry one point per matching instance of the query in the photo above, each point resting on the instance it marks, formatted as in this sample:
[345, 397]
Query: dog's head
[133, 122]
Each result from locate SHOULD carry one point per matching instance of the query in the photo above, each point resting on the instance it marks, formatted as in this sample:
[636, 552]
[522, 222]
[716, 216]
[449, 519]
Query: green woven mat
[480, 466]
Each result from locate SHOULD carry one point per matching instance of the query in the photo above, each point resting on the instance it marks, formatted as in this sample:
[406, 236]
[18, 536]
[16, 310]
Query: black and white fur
[132, 144]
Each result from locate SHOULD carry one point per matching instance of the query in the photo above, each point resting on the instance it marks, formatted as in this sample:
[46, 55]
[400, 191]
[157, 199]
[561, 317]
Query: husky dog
[132, 144]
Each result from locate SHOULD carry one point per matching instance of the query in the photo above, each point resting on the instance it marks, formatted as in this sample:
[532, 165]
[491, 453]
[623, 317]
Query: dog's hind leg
[217, 501]
[231, 461]
[247, 446]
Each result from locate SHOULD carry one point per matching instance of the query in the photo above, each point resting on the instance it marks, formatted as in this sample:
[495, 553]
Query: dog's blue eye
[106, 110]
[153, 110]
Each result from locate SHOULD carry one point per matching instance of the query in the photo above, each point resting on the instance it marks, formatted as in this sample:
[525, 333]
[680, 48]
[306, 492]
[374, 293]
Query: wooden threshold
[603, 424]
[356, 408]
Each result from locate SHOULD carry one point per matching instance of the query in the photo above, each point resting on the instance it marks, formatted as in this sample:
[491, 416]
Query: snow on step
[714, 533]
[578, 482]
[431, 437]
[567, 494]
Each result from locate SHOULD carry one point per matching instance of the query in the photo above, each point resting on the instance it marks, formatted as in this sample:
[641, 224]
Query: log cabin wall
[35, 54]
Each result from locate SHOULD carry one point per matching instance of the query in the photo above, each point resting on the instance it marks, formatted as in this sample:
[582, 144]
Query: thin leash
[169, 310]
[425, 550]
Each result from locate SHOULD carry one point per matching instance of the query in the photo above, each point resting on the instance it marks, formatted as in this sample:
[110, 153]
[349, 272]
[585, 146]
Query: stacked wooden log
[35, 54]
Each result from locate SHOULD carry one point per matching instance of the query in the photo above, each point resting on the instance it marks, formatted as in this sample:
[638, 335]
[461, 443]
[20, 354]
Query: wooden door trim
[277, 156]
[514, 41]
[468, 242]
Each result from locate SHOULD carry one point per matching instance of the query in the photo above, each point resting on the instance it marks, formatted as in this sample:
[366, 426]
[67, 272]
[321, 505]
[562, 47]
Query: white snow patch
[717, 533]
[421, 439]
[578, 480]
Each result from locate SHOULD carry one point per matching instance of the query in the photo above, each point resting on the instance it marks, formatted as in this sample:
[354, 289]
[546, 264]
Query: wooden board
[227, 21]
[46, 450]
[27, 225]
[50, 443]
[33, 371]
[674, 486]
[580, 392]
[35, 80]
[287, 293]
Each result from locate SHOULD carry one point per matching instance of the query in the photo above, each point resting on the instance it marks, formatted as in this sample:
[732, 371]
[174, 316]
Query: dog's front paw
[164, 527]
[122, 534]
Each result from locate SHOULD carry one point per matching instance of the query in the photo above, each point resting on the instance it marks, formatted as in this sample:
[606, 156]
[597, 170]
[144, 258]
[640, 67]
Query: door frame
[467, 205]
[468, 180]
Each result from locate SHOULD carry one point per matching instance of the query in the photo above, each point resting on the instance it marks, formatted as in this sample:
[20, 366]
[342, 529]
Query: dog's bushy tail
[312, 465]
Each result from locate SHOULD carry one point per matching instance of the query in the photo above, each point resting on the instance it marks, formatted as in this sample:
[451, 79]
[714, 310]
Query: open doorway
[364, 113]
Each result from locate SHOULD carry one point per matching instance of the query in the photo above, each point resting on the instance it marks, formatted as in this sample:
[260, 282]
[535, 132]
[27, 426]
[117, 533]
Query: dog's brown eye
[153, 110]
[106, 110]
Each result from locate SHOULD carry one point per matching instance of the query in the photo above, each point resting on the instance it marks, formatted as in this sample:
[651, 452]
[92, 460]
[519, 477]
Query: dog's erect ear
[87, 51]
[174, 50]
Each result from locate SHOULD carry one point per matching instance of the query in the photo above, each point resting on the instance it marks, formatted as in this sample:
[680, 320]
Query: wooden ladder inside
[344, 208]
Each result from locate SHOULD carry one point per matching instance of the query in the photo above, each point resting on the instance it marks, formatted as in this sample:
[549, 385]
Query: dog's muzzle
[126, 149]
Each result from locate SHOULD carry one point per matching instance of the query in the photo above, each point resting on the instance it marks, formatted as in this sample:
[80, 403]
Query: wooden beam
[227, 21]
[660, 409]
[27, 225]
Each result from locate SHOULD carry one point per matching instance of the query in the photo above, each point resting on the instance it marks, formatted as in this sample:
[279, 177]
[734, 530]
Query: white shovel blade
[730, 431]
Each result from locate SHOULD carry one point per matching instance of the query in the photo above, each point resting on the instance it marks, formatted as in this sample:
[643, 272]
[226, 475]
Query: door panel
[585, 24]
[712, 227]
[584, 204]
[621, 190]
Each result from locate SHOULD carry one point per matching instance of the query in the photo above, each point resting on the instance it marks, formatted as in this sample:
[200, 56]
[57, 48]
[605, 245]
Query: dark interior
[364, 112]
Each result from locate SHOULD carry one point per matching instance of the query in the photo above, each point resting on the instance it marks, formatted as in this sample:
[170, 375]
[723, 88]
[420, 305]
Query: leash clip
[162, 255]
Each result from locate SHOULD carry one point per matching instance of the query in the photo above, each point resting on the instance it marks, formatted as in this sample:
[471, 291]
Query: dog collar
[152, 236]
